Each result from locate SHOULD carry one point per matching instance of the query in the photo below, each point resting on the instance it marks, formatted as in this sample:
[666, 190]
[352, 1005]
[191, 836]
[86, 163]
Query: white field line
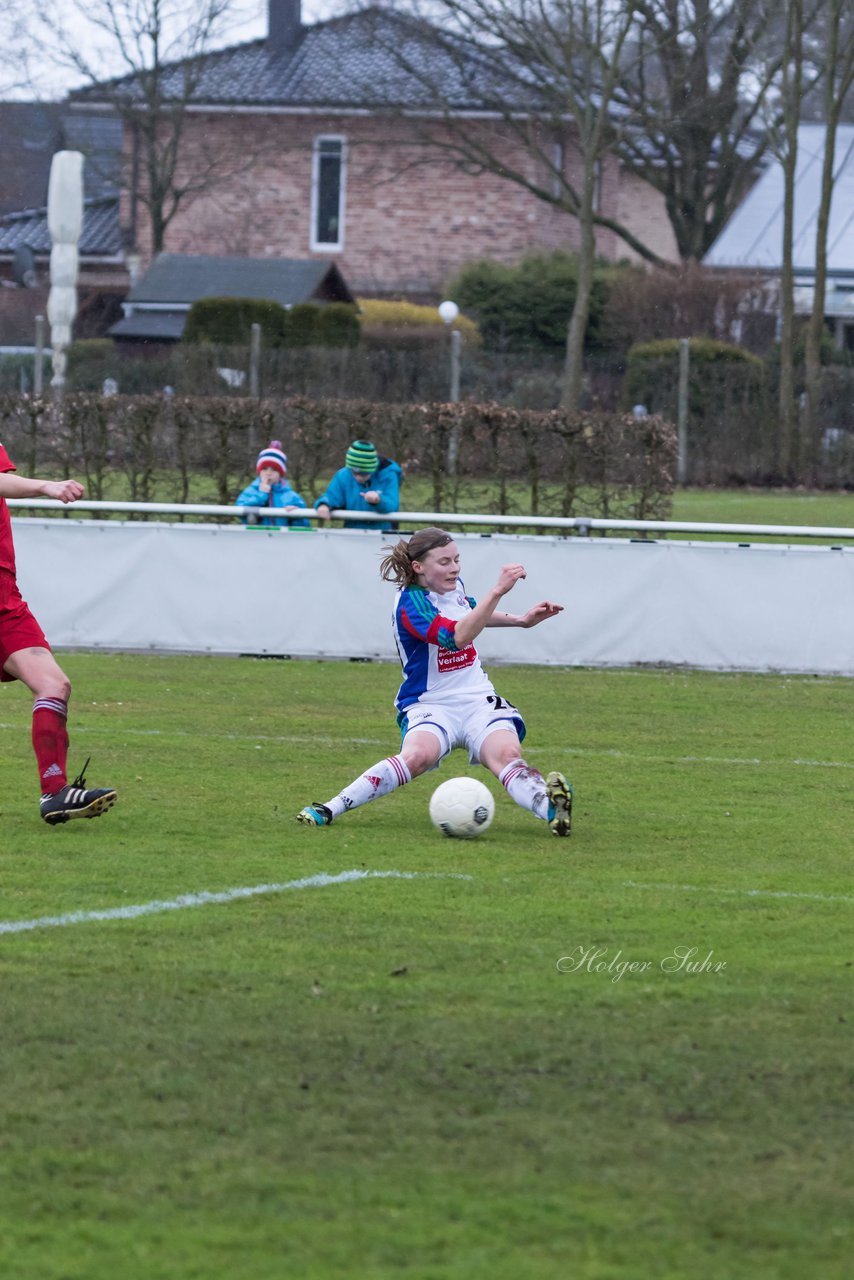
[329, 741]
[745, 893]
[204, 899]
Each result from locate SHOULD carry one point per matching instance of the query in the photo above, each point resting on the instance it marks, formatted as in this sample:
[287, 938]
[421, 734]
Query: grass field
[765, 506]
[447, 1073]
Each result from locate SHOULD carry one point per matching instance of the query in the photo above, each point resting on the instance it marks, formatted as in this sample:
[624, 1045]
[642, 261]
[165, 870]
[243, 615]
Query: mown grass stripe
[747, 893]
[600, 753]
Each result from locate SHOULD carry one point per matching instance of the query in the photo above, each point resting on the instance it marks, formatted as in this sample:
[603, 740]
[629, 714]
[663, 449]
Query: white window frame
[328, 246]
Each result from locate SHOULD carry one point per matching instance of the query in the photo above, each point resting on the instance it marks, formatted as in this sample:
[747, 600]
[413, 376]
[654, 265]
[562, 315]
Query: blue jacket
[281, 495]
[345, 492]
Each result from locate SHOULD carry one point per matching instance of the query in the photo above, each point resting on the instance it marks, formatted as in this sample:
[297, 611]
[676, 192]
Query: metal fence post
[682, 414]
[38, 363]
[255, 361]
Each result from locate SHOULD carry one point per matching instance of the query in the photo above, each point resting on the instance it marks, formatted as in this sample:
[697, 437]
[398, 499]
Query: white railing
[581, 525]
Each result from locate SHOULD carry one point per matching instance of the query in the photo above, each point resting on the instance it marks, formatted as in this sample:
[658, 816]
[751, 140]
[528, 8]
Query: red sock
[50, 742]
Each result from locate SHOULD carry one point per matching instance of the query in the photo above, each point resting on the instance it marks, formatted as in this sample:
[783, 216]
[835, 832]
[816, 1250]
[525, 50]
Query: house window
[327, 193]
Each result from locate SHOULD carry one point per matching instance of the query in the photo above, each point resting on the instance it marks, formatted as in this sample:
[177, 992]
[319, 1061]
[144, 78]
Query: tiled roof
[151, 326]
[100, 236]
[181, 278]
[348, 62]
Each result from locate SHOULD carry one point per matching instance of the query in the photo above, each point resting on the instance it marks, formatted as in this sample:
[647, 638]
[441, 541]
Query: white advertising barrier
[317, 593]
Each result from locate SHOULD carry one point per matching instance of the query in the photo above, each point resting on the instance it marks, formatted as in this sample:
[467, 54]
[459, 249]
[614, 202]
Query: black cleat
[77, 801]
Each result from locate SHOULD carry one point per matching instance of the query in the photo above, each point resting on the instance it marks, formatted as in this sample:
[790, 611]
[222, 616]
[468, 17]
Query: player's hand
[63, 490]
[372, 496]
[539, 613]
[508, 577]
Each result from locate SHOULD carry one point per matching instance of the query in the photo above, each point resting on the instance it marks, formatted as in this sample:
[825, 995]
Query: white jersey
[434, 669]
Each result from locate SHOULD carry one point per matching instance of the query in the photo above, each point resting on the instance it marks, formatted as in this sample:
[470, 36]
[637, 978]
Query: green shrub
[706, 350]
[717, 370]
[90, 362]
[228, 321]
[527, 307]
[301, 325]
[338, 325]
[17, 372]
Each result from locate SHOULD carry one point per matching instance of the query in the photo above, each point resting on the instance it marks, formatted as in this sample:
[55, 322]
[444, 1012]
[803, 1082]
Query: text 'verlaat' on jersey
[456, 659]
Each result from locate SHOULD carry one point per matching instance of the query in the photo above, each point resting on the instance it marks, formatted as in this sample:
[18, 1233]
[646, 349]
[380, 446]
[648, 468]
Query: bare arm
[537, 613]
[469, 627]
[12, 486]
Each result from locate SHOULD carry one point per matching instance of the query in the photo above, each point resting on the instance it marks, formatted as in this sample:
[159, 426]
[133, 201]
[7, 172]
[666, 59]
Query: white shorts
[465, 724]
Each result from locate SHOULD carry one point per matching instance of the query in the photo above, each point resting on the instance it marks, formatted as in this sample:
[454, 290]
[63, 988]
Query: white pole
[65, 222]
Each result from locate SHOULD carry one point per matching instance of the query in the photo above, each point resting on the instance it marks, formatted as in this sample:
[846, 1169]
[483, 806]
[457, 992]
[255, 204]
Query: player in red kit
[25, 655]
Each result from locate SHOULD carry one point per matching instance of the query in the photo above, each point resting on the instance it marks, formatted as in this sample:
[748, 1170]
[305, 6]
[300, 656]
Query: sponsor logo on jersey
[457, 659]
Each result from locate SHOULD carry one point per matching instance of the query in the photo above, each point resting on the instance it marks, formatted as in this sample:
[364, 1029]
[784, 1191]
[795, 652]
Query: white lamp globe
[448, 311]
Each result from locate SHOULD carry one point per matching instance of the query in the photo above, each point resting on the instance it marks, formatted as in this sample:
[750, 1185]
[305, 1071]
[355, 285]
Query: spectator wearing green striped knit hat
[362, 458]
[366, 483]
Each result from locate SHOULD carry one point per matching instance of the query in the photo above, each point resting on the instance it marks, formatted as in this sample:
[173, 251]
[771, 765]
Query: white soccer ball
[462, 808]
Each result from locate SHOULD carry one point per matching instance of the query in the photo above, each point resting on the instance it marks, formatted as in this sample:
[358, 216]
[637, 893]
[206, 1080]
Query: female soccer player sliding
[446, 699]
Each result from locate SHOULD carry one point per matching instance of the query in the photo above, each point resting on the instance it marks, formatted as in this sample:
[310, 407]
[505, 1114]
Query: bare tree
[15, 52]
[161, 47]
[695, 87]
[837, 80]
[783, 142]
[514, 88]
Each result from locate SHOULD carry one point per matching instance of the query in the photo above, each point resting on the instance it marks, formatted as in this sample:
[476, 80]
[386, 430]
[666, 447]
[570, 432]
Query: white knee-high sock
[526, 786]
[385, 776]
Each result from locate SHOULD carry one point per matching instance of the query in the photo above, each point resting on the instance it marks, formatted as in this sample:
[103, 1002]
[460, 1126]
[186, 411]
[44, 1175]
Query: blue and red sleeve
[423, 620]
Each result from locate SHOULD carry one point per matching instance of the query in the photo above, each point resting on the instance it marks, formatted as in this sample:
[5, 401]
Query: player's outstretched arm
[540, 612]
[537, 613]
[12, 486]
[469, 627]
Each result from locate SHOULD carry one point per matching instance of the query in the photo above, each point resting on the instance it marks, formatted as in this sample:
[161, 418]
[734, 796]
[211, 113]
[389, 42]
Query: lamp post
[448, 312]
[65, 221]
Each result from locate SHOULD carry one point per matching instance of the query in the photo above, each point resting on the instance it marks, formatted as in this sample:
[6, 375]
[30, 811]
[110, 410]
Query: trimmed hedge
[389, 325]
[652, 372]
[229, 321]
[555, 463]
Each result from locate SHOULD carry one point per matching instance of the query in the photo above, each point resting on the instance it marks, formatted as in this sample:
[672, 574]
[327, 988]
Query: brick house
[313, 159]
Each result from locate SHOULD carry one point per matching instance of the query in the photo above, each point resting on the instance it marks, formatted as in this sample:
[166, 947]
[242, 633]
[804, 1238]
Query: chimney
[284, 23]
